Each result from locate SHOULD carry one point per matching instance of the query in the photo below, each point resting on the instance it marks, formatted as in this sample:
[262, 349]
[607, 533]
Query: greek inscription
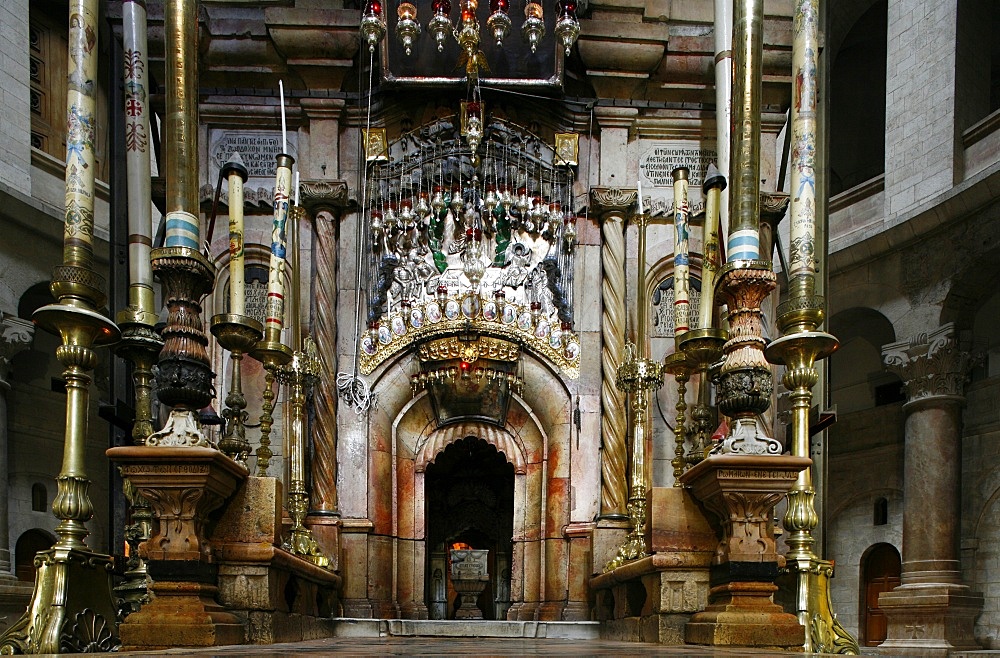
[757, 474]
[656, 164]
[179, 469]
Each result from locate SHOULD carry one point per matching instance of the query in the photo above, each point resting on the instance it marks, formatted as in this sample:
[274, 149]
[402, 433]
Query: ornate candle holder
[239, 334]
[677, 365]
[798, 350]
[745, 381]
[184, 373]
[272, 353]
[636, 377]
[141, 345]
[703, 348]
[301, 374]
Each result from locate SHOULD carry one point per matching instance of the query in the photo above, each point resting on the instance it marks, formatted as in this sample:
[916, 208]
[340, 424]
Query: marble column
[932, 612]
[324, 200]
[610, 204]
[15, 336]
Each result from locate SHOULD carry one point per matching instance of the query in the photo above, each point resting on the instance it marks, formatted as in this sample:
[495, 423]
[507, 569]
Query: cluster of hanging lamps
[466, 32]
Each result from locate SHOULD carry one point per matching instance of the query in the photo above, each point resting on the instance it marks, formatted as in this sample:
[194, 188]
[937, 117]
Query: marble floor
[470, 646]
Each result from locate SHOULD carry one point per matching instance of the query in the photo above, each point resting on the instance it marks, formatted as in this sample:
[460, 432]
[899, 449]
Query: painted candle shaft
[137, 157]
[723, 97]
[682, 304]
[802, 263]
[182, 225]
[274, 311]
[78, 235]
[743, 242]
[237, 174]
[715, 184]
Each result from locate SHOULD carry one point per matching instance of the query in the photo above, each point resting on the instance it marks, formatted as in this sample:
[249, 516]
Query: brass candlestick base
[637, 377]
[798, 352]
[72, 608]
[271, 353]
[301, 374]
[703, 348]
[238, 334]
[677, 365]
[141, 345]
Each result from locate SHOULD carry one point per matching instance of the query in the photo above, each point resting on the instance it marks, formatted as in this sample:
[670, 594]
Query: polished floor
[479, 647]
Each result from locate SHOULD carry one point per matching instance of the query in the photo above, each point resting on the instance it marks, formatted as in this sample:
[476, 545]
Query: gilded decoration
[470, 229]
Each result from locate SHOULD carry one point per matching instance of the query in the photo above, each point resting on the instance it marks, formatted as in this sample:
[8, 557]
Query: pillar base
[929, 620]
[743, 615]
[181, 614]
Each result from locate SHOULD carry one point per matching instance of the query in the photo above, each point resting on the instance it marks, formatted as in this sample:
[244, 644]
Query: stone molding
[318, 195]
[931, 364]
[612, 201]
[15, 336]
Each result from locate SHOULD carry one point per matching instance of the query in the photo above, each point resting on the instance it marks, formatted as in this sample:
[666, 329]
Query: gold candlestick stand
[798, 350]
[301, 374]
[703, 349]
[677, 365]
[273, 354]
[239, 334]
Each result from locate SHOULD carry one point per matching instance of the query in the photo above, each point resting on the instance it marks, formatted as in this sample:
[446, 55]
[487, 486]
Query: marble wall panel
[381, 492]
[404, 497]
[380, 571]
[556, 506]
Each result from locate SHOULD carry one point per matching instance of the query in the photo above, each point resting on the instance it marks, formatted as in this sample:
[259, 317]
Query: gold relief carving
[452, 347]
[613, 198]
[567, 360]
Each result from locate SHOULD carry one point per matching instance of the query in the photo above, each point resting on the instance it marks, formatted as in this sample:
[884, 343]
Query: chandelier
[466, 30]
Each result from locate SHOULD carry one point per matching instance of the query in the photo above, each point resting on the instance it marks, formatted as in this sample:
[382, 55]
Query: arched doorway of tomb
[28, 544]
[880, 570]
[469, 496]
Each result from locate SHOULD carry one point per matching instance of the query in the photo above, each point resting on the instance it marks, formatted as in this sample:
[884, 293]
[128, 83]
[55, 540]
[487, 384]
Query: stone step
[564, 630]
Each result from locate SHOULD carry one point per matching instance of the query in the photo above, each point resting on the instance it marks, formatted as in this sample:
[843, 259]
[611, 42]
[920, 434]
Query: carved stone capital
[15, 336]
[608, 202]
[931, 364]
[318, 195]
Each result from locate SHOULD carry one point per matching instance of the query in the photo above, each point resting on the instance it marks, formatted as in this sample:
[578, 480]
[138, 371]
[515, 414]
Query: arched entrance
[880, 570]
[28, 544]
[469, 493]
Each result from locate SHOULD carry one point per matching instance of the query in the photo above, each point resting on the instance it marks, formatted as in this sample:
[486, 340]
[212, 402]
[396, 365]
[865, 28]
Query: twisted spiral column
[611, 204]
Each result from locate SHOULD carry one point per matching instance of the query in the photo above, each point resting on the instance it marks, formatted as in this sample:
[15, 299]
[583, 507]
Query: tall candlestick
[281, 101]
[276, 271]
[714, 184]
[723, 28]
[237, 174]
[682, 304]
[183, 227]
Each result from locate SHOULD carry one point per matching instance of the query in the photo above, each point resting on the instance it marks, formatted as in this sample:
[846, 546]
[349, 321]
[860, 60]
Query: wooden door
[881, 570]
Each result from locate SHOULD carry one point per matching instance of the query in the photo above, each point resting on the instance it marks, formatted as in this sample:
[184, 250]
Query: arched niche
[858, 379]
[403, 437]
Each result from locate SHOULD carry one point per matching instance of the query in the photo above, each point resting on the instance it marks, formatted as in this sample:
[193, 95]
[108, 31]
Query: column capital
[931, 364]
[609, 116]
[608, 202]
[323, 108]
[15, 336]
[318, 195]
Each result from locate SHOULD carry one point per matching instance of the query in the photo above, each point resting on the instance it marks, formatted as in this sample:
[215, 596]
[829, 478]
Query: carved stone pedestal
[929, 620]
[469, 577]
[183, 486]
[741, 490]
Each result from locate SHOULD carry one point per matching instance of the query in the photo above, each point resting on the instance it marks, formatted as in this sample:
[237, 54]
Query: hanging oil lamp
[407, 27]
[440, 24]
[372, 24]
[499, 20]
[534, 26]
[567, 25]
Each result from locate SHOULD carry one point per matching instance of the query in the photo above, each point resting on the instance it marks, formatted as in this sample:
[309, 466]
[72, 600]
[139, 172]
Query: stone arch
[503, 440]
[28, 544]
[538, 424]
[857, 375]
[983, 578]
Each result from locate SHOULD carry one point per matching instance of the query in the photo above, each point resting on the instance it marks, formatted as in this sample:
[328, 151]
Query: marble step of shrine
[563, 630]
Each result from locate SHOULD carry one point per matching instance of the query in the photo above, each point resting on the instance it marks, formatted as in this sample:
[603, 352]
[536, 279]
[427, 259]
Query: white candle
[638, 184]
[295, 184]
[281, 96]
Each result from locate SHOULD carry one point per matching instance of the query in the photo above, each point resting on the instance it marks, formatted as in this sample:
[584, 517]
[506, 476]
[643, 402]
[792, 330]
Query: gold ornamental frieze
[502, 332]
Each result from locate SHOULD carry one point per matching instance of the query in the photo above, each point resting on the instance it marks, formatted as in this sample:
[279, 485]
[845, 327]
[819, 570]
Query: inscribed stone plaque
[258, 149]
[660, 158]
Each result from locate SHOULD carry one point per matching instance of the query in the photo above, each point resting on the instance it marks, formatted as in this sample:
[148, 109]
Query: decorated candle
[714, 184]
[803, 175]
[274, 310]
[237, 174]
[681, 295]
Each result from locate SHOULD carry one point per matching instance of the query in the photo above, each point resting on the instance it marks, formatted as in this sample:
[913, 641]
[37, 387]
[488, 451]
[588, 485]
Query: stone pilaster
[15, 335]
[932, 612]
